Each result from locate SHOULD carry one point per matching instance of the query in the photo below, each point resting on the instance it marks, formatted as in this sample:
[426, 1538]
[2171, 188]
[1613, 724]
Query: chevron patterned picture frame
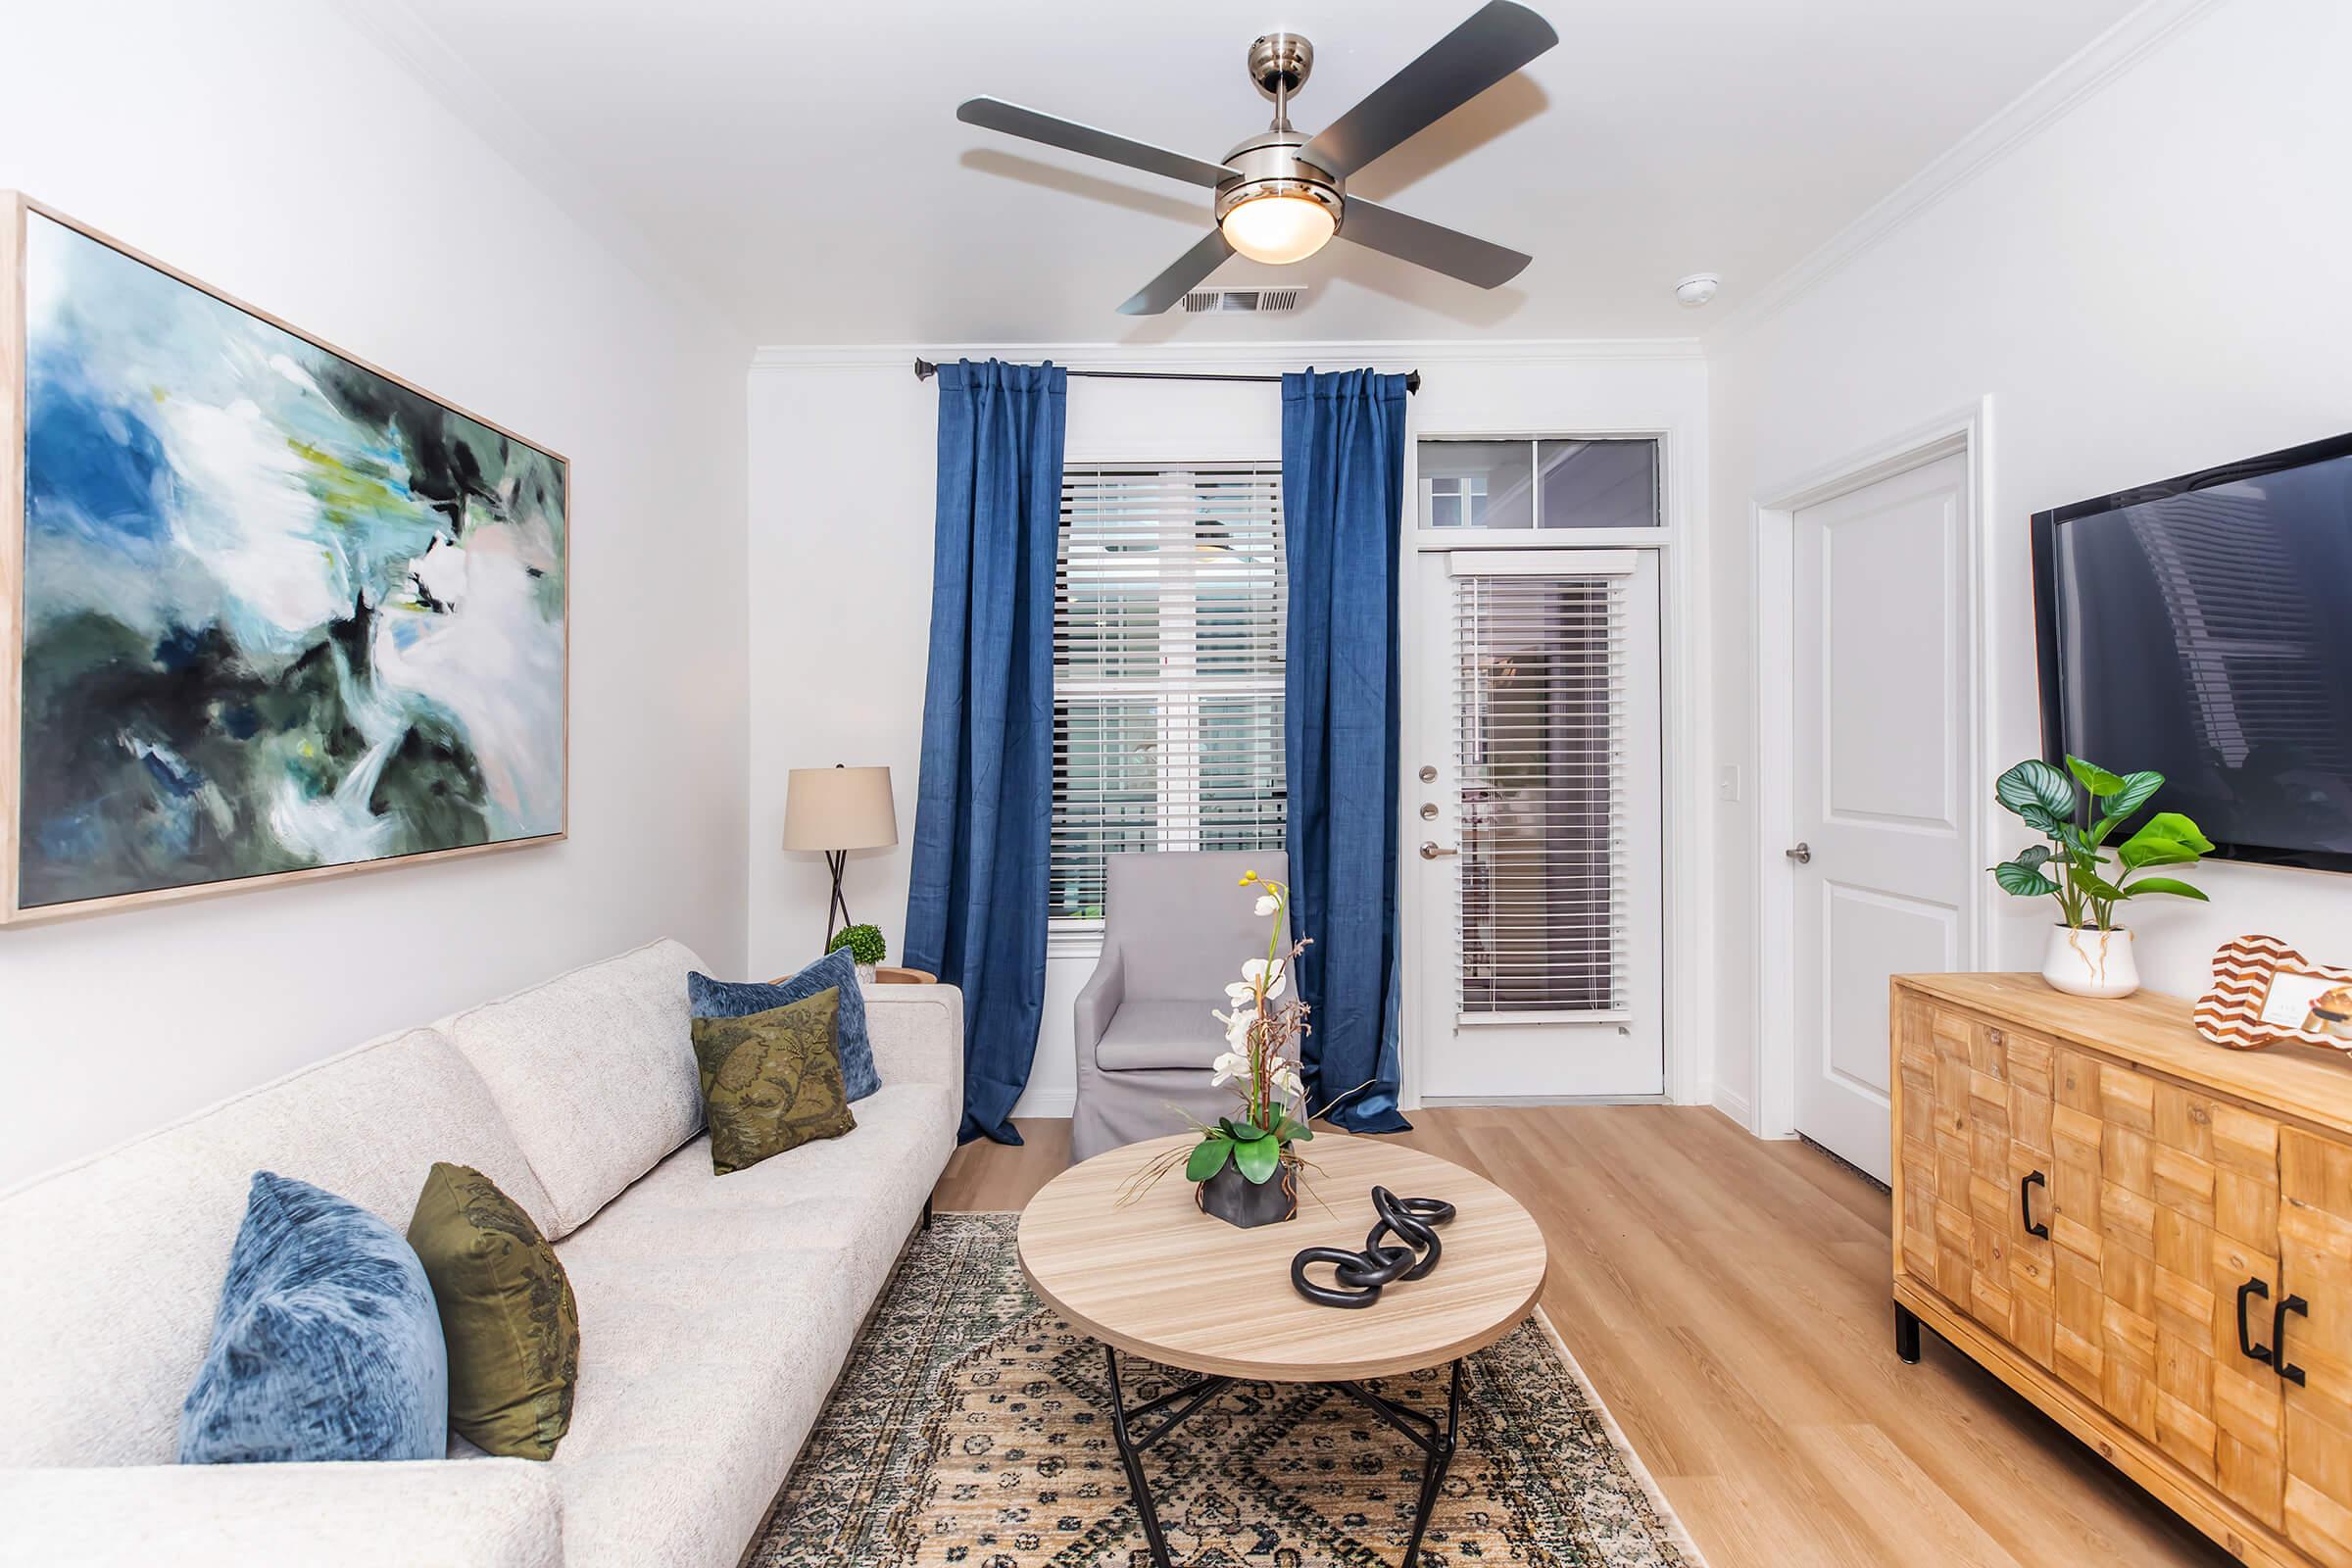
[2265, 992]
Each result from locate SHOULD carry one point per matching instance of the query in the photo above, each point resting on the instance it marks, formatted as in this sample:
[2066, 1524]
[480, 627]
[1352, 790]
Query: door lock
[1802, 854]
[1431, 852]
[1429, 774]
[1429, 811]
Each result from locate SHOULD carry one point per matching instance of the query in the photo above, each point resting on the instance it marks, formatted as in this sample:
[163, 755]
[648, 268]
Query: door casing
[1966, 431]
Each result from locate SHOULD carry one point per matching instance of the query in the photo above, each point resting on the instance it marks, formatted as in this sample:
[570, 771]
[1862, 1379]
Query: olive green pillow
[771, 1080]
[507, 1314]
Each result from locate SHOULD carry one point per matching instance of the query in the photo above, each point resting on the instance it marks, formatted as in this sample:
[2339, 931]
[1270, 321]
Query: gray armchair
[1175, 930]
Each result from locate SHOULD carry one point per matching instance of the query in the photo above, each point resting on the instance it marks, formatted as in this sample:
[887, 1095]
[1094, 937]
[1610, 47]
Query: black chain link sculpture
[1358, 1278]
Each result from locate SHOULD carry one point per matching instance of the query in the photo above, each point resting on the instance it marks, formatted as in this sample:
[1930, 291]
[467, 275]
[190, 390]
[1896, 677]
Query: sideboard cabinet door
[2315, 1257]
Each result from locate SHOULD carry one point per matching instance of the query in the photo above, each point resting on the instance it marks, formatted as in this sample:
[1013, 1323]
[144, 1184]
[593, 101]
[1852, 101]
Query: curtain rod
[924, 370]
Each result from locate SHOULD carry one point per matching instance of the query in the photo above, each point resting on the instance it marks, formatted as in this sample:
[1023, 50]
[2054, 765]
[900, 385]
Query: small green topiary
[864, 943]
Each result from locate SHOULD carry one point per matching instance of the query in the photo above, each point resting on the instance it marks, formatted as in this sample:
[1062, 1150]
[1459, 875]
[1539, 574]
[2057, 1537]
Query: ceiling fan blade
[994, 114]
[1180, 280]
[1430, 245]
[1496, 40]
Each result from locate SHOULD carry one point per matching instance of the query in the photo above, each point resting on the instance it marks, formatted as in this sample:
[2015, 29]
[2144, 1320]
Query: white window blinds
[1540, 760]
[1167, 669]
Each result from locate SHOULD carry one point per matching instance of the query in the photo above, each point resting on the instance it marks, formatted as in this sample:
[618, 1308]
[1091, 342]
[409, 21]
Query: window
[1167, 669]
[1553, 483]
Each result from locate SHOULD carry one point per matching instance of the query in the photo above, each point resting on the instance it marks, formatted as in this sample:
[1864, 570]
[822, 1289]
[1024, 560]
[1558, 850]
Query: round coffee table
[1161, 1280]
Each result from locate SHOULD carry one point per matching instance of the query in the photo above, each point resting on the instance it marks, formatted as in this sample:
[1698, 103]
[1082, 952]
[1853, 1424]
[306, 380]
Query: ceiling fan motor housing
[1268, 165]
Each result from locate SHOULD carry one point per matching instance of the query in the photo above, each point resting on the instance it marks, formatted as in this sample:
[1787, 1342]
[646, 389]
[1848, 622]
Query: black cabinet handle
[2286, 1304]
[2245, 1342]
[2025, 1202]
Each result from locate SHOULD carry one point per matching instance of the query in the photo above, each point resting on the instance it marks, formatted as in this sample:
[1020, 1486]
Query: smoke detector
[1243, 301]
[1696, 289]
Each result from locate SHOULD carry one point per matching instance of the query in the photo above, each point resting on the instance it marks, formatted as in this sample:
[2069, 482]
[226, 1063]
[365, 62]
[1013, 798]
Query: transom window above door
[1551, 483]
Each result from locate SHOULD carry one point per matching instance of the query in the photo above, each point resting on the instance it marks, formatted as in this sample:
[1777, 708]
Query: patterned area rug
[973, 1427]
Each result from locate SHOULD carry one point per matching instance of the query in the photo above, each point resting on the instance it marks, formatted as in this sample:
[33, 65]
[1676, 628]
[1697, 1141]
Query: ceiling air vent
[1243, 301]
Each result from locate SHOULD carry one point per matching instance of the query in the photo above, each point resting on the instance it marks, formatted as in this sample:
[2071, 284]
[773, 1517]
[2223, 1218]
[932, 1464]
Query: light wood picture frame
[2263, 992]
[268, 613]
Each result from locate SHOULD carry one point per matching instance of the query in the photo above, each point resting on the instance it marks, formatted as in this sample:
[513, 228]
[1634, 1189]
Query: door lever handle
[1802, 854]
[1430, 852]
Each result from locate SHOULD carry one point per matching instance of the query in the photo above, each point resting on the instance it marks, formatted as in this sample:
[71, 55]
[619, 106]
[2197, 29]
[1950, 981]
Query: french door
[1534, 826]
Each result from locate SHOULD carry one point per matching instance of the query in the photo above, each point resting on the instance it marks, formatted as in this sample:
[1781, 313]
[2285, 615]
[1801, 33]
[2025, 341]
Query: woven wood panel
[2187, 1213]
[2315, 1246]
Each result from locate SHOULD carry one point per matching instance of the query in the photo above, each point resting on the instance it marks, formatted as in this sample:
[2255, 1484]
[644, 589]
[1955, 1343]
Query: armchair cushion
[1143, 1035]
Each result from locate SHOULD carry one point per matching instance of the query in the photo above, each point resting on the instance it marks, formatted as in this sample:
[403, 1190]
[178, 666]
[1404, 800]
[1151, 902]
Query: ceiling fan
[1282, 195]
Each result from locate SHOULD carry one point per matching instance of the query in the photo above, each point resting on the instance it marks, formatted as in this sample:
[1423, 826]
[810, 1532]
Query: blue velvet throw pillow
[327, 1344]
[707, 998]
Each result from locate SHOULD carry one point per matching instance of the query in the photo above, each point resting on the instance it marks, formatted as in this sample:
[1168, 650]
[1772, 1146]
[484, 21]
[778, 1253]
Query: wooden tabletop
[1162, 1280]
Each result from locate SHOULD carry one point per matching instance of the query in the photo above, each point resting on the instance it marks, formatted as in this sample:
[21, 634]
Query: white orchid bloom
[1229, 1066]
[1257, 970]
[1242, 994]
[1267, 903]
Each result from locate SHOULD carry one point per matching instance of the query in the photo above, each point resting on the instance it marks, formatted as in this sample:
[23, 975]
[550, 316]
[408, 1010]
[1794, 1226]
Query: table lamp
[836, 809]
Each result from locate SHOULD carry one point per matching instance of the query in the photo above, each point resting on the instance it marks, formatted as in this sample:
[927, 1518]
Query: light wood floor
[1728, 1298]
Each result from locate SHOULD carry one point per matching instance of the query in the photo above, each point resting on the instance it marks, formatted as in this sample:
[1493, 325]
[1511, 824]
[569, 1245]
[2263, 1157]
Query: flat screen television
[2202, 627]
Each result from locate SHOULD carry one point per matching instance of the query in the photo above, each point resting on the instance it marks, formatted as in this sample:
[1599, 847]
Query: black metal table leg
[1906, 1334]
[1434, 1438]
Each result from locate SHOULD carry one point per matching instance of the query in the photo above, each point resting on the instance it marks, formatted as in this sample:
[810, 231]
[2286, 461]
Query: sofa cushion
[1143, 1035]
[508, 1315]
[835, 971]
[858, 1196]
[326, 1346]
[593, 1071]
[151, 1224]
[695, 1393]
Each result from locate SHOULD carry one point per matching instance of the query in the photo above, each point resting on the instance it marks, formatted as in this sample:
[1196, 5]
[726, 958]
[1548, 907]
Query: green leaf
[2136, 793]
[1257, 1158]
[2035, 855]
[1209, 1159]
[2164, 884]
[2018, 877]
[2095, 778]
[2035, 785]
[2165, 839]
[2097, 886]
[2042, 821]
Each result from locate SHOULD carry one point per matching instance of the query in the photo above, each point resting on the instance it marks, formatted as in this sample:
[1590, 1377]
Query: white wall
[843, 444]
[2151, 285]
[274, 152]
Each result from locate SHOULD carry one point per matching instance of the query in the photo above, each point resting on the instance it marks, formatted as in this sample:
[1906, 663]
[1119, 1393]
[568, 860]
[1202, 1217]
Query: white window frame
[1178, 791]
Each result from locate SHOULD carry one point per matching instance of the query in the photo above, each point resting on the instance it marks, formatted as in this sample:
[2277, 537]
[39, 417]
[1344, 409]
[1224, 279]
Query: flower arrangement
[1262, 1035]
[1243, 1166]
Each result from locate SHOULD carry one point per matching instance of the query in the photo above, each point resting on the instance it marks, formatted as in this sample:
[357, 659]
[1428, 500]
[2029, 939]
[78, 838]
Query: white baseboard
[1735, 1106]
[1043, 1103]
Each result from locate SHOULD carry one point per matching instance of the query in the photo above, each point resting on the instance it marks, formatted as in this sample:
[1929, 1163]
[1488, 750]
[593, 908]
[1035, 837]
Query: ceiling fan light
[1280, 227]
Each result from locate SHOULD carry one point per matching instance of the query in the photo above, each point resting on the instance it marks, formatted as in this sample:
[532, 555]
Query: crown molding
[1253, 356]
[2040, 107]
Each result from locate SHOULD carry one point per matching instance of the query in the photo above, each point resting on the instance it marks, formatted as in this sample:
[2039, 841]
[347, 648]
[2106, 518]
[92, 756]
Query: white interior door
[1881, 843]
[1534, 826]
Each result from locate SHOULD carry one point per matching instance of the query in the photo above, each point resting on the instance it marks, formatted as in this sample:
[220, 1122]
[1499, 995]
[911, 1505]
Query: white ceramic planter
[2090, 963]
[865, 975]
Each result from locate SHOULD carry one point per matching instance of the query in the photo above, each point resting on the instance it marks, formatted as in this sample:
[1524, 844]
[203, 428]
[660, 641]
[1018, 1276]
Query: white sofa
[715, 1312]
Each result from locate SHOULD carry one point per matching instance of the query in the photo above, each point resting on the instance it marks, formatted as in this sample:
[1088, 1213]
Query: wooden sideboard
[2148, 1237]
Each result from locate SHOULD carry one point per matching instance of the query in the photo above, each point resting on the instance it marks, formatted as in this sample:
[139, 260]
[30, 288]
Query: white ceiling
[801, 165]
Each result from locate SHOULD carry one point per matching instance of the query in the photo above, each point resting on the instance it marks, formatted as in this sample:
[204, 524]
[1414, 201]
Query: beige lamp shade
[839, 808]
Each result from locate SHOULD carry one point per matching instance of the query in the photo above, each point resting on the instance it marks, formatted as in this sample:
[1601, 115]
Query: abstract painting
[274, 612]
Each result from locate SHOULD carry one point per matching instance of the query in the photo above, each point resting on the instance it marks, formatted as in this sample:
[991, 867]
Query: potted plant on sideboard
[2087, 953]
